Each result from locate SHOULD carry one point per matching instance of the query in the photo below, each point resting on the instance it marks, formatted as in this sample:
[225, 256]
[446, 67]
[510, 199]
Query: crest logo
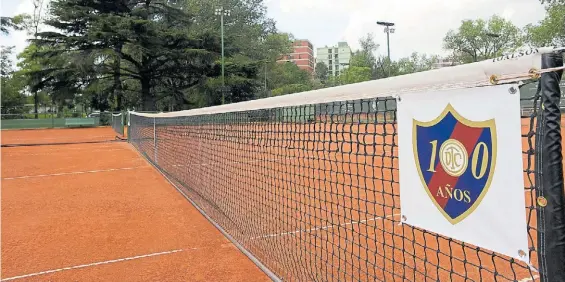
[455, 158]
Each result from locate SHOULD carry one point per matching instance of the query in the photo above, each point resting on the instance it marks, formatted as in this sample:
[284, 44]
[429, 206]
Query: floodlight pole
[222, 12]
[223, 62]
[388, 30]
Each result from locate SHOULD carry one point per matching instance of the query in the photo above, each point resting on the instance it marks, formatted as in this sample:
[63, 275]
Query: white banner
[460, 160]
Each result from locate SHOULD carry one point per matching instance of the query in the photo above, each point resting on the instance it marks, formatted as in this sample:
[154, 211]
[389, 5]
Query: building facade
[336, 57]
[302, 55]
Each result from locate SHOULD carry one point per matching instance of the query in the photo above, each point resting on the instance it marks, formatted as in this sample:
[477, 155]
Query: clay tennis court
[100, 212]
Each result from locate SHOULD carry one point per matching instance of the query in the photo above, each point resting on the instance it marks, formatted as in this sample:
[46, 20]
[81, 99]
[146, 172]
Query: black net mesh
[312, 191]
[118, 123]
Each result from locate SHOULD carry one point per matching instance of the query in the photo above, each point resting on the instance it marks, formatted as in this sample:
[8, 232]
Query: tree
[8, 23]
[477, 40]
[36, 20]
[288, 78]
[247, 28]
[5, 24]
[415, 63]
[152, 39]
[365, 56]
[12, 99]
[274, 45]
[290, 88]
[550, 30]
[288, 73]
[5, 61]
[251, 39]
[355, 74]
[30, 67]
[321, 72]
[241, 84]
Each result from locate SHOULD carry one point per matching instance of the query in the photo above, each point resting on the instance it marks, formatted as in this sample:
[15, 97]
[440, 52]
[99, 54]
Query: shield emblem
[455, 158]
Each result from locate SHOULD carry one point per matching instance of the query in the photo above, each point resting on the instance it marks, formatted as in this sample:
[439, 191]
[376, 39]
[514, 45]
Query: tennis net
[118, 123]
[307, 184]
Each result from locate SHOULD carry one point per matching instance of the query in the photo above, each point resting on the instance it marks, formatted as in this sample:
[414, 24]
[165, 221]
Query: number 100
[478, 170]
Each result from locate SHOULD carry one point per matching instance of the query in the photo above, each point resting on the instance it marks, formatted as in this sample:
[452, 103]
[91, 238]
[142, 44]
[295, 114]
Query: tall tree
[246, 26]
[152, 38]
[321, 72]
[415, 63]
[10, 23]
[251, 39]
[550, 30]
[477, 40]
[288, 78]
[5, 60]
[288, 73]
[12, 99]
[5, 24]
[355, 74]
[31, 23]
[365, 56]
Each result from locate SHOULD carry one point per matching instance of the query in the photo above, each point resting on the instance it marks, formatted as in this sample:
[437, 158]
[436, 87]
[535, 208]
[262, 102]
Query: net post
[550, 195]
[128, 126]
[123, 122]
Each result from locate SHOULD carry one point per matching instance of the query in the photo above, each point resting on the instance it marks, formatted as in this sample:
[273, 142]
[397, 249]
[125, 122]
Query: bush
[105, 118]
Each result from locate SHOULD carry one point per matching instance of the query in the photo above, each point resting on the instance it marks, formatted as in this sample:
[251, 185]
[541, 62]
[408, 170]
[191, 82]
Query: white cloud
[420, 24]
[19, 39]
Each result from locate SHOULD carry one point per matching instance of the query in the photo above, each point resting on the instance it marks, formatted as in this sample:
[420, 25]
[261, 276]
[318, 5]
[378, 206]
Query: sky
[420, 24]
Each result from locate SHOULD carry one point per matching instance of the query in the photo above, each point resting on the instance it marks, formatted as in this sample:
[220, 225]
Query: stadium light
[222, 12]
[388, 30]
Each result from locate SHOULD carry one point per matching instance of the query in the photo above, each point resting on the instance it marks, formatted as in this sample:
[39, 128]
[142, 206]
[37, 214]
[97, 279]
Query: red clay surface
[57, 135]
[99, 212]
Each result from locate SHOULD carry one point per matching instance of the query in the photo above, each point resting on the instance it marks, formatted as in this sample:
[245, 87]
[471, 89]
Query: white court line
[91, 264]
[58, 148]
[50, 153]
[71, 173]
[322, 227]
[57, 138]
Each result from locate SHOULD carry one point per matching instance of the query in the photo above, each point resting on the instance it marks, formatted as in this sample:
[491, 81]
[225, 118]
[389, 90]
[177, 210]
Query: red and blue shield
[455, 158]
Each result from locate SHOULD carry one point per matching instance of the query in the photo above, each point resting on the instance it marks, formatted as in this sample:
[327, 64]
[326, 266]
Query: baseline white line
[72, 173]
[91, 264]
[59, 138]
[50, 152]
[322, 227]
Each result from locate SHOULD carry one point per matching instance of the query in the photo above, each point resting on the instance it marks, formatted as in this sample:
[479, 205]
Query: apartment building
[302, 55]
[335, 57]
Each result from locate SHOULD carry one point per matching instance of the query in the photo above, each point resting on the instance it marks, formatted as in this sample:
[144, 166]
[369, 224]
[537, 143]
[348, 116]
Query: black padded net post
[550, 194]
